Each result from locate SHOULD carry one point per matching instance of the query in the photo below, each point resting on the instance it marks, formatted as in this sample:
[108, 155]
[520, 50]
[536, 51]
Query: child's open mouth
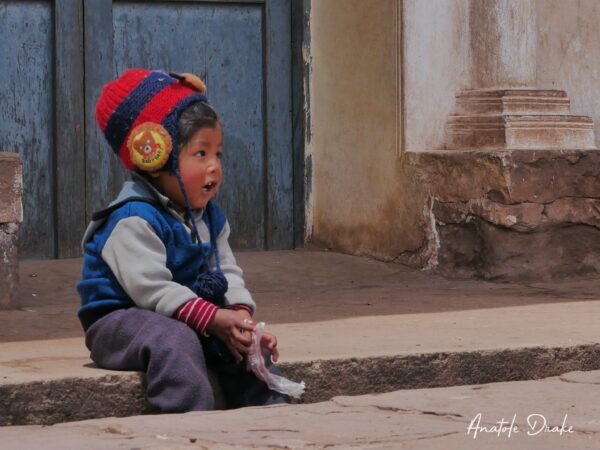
[209, 187]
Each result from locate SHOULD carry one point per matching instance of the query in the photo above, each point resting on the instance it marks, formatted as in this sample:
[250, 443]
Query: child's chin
[201, 202]
[199, 205]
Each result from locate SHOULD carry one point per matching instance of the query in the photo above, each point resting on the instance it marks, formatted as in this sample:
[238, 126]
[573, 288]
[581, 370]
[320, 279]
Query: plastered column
[502, 109]
[503, 43]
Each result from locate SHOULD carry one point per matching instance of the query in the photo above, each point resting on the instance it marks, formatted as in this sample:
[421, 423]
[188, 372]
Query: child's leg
[167, 350]
[243, 388]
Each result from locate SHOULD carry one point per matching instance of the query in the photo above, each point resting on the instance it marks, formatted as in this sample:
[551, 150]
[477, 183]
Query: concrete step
[46, 382]
[554, 413]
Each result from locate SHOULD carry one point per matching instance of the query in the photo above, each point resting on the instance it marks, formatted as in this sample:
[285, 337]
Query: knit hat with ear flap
[138, 114]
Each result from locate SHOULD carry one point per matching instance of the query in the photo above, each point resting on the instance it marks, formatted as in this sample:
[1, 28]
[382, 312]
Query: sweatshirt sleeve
[237, 294]
[138, 259]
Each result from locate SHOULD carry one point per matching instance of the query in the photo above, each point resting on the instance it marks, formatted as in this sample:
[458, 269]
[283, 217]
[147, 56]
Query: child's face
[200, 169]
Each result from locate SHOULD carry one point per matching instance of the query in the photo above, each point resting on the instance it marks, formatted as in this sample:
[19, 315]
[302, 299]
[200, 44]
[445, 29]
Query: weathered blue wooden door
[41, 118]
[241, 49]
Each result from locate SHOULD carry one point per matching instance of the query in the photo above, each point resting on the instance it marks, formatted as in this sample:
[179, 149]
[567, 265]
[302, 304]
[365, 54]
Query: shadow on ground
[291, 287]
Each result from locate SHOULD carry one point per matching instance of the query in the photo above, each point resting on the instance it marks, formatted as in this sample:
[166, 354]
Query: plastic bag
[256, 363]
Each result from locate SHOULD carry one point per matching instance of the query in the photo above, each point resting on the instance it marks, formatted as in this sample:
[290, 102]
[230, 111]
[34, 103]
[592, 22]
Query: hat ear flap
[149, 146]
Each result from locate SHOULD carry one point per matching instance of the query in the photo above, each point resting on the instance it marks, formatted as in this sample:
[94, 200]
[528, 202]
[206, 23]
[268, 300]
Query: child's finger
[236, 354]
[269, 341]
[273, 342]
[243, 337]
[246, 325]
[240, 348]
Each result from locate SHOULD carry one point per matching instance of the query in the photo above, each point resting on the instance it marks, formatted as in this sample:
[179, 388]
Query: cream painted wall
[436, 67]
[437, 61]
[357, 179]
[568, 55]
[362, 199]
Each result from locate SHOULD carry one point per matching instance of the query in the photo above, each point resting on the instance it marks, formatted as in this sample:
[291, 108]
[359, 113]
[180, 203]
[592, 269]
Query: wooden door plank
[104, 171]
[26, 116]
[256, 2]
[255, 102]
[278, 75]
[222, 43]
[70, 155]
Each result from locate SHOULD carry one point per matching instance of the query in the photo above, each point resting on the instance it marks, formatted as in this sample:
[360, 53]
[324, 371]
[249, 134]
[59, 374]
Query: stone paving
[555, 413]
[395, 332]
[338, 357]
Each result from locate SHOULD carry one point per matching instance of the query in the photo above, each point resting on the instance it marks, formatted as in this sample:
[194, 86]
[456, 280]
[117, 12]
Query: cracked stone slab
[416, 419]
[297, 426]
[548, 400]
[492, 442]
[581, 377]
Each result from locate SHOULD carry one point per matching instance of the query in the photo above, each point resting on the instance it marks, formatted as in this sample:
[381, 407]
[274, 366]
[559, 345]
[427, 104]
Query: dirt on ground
[293, 286]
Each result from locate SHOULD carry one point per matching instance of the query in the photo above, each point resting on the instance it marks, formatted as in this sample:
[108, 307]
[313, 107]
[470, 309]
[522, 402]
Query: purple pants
[171, 355]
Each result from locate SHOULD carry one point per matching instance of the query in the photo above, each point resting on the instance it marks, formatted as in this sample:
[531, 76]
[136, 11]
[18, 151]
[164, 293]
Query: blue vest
[100, 291]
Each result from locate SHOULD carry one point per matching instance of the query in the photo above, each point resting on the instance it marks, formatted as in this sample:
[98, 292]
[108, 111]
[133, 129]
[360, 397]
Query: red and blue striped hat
[138, 115]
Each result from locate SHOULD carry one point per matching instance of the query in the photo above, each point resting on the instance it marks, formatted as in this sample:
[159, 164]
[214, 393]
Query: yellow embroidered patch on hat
[149, 146]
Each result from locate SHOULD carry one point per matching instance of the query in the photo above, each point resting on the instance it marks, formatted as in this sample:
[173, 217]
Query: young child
[161, 291]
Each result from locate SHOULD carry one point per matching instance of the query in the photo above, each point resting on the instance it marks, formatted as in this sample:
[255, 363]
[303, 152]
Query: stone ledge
[11, 188]
[53, 380]
[121, 394]
[513, 215]
[508, 176]
[9, 266]
[11, 215]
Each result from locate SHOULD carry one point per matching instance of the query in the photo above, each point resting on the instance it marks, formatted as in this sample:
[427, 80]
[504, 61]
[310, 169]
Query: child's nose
[213, 165]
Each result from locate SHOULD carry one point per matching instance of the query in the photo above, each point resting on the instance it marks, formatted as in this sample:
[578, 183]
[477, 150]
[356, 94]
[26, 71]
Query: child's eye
[220, 155]
[200, 153]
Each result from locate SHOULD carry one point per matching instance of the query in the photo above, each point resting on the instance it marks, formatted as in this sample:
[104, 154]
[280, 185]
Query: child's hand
[230, 327]
[244, 314]
[269, 341]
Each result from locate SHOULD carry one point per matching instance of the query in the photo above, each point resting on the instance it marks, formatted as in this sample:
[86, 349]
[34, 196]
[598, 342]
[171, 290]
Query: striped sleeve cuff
[196, 313]
[237, 306]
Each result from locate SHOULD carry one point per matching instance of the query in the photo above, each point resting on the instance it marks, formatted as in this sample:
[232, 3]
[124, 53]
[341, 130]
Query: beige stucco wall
[357, 179]
[362, 198]
[436, 66]
[568, 55]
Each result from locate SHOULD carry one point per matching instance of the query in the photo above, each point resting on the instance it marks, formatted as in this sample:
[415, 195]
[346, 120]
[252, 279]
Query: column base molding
[513, 119]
